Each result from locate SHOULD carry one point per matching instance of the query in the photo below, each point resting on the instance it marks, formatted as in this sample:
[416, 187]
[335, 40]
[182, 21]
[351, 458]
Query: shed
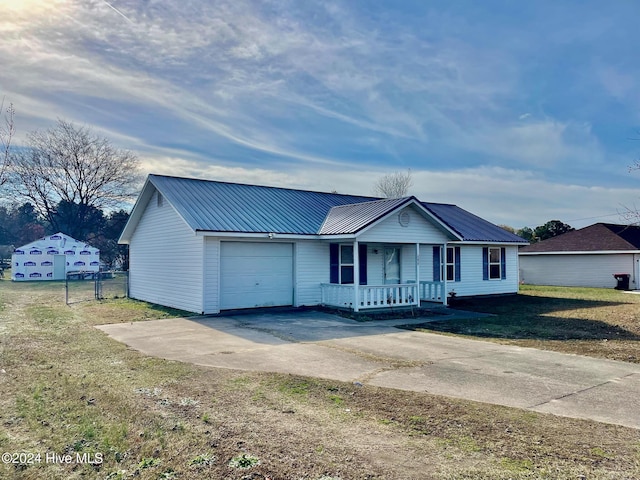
[52, 257]
[588, 257]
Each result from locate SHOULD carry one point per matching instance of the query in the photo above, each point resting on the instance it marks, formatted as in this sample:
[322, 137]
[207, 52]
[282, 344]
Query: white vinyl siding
[390, 231]
[211, 275]
[577, 270]
[166, 260]
[471, 271]
[312, 269]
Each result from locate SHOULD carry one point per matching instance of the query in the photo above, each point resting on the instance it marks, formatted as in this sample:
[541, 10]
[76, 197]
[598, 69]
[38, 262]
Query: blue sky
[520, 112]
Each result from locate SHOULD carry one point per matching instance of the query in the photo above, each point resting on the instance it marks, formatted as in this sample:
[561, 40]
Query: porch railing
[431, 291]
[370, 296]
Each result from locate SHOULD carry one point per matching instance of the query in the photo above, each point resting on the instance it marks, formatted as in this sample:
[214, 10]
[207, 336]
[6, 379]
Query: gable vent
[404, 219]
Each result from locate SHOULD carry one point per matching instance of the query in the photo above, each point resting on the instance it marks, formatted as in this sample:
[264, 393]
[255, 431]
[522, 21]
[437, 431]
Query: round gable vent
[404, 218]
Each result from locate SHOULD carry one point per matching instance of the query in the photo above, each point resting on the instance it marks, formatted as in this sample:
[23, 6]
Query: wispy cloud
[117, 11]
[297, 91]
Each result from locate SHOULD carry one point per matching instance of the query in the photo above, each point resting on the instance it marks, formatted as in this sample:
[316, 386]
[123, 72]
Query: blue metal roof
[471, 227]
[231, 207]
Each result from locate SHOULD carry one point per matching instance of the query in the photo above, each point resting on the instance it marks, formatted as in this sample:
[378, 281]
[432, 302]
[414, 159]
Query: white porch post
[443, 265]
[356, 276]
[418, 272]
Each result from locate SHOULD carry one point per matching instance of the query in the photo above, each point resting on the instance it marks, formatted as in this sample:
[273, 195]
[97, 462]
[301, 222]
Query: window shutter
[436, 264]
[457, 264]
[362, 255]
[503, 262]
[334, 263]
[485, 263]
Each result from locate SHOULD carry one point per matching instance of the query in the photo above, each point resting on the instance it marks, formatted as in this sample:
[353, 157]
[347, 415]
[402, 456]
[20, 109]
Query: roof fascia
[272, 235]
[425, 213]
[583, 252]
[141, 205]
[490, 242]
[275, 235]
[343, 236]
[136, 212]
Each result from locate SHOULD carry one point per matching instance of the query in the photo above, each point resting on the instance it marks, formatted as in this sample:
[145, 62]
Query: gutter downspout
[356, 276]
[418, 272]
[443, 264]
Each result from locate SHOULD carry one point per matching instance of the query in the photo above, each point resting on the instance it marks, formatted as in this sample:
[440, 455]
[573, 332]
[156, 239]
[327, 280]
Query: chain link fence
[87, 286]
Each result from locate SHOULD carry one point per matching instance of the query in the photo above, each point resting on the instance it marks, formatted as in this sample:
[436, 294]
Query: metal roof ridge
[263, 186]
[379, 200]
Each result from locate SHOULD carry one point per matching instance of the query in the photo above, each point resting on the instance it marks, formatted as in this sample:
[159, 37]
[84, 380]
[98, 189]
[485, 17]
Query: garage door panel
[254, 274]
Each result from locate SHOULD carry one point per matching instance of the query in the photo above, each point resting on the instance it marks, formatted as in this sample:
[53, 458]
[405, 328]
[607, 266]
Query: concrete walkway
[327, 346]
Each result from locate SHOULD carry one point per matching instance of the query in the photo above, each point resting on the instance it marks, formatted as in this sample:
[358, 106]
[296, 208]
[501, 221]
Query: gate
[111, 285]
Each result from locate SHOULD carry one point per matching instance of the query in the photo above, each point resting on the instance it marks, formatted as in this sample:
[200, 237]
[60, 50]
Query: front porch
[363, 297]
[397, 261]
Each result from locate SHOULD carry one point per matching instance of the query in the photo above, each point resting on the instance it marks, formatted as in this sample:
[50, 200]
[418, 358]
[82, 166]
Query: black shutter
[334, 263]
[503, 262]
[362, 256]
[457, 264]
[436, 264]
[485, 263]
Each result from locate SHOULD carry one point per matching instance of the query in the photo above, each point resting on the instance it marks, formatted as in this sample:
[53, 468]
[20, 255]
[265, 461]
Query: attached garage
[255, 274]
[206, 247]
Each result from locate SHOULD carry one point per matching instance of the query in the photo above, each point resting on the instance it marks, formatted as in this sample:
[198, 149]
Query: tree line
[550, 229]
[65, 179]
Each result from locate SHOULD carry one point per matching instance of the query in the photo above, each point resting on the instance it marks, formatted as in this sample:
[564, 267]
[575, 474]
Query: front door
[391, 265]
[59, 267]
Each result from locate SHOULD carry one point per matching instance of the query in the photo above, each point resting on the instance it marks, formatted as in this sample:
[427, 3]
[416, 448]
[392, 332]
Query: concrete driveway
[377, 353]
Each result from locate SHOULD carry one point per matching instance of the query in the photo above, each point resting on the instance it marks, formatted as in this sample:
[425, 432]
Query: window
[494, 260]
[346, 263]
[494, 264]
[341, 263]
[450, 269]
[451, 264]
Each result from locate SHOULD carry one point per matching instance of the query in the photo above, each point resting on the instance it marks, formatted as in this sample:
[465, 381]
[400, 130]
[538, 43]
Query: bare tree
[631, 215]
[72, 167]
[7, 131]
[508, 228]
[393, 185]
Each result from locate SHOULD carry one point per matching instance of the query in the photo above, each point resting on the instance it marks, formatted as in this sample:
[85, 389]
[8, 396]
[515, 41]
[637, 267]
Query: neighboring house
[207, 246]
[588, 257]
[52, 257]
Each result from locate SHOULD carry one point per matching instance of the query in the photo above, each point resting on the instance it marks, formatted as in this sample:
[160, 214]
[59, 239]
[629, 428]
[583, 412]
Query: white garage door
[254, 274]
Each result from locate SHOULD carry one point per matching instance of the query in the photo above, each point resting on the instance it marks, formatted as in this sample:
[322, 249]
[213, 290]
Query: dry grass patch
[69, 389]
